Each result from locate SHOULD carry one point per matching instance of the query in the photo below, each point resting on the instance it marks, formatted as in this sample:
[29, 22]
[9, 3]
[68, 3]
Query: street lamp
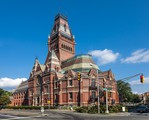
[107, 111]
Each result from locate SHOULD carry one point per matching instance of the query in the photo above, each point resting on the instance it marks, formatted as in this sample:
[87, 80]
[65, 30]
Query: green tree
[4, 97]
[135, 98]
[124, 90]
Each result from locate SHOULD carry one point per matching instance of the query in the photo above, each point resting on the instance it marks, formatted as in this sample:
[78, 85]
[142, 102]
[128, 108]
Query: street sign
[107, 88]
[104, 88]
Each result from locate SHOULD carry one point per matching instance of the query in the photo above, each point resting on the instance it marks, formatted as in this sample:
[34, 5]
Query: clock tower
[61, 40]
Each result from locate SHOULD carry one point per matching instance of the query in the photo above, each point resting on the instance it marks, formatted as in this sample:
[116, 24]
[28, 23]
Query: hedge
[94, 109]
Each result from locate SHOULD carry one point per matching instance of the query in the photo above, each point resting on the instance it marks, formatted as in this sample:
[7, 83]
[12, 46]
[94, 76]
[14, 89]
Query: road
[67, 115]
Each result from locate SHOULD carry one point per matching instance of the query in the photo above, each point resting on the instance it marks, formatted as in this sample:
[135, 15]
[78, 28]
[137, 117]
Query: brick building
[20, 95]
[56, 81]
[145, 98]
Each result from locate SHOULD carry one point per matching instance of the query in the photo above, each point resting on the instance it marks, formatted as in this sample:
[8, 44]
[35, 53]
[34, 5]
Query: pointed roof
[23, 86]
[37, 67]
[52, 61]
[61, 27]
[59, 75]
[35, 64]
[107, 74]
[42, 67]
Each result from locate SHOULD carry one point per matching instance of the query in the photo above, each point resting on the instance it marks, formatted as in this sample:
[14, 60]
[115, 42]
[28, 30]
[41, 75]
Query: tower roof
[60, 16]
[61, 27]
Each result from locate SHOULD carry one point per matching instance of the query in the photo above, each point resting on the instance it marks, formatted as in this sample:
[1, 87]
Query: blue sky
[115, 32]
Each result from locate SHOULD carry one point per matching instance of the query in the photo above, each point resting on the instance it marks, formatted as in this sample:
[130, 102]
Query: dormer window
[65, 27]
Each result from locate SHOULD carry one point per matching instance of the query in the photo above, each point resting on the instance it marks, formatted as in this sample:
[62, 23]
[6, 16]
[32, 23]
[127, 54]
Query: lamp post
[107, 111]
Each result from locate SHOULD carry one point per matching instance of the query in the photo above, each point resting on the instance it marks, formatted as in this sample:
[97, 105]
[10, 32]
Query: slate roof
[22, 87]
[80, 63]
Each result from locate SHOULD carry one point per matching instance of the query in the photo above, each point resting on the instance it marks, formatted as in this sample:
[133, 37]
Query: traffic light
[109, 94]
[79, 76]
[142, 78]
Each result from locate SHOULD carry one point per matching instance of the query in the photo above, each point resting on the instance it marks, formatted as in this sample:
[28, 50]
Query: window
[56, 85]
[93, 83]
[31, 92]
[70, 95]
[67, 47]
[70, 82]
[65, 27]
[93, 94]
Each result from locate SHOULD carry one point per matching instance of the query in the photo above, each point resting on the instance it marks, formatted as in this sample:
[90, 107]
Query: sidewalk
[21, 112]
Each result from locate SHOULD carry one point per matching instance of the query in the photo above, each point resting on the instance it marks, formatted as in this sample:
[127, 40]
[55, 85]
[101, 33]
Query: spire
[35, 64]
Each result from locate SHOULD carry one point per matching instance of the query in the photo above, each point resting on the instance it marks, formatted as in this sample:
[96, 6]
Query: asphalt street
[68, 115]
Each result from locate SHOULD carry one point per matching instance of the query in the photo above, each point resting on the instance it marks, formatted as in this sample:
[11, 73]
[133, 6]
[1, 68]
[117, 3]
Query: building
[20, 95]
[145, 98]
[56, 81]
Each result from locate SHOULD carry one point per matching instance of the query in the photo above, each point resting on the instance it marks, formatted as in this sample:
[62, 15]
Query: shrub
[93, 109]
[83, 109]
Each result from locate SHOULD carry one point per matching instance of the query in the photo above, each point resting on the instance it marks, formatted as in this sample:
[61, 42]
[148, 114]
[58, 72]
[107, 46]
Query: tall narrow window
[70, 95]
[70, 82]
[93, 83]
[93, 94]
[65, 27]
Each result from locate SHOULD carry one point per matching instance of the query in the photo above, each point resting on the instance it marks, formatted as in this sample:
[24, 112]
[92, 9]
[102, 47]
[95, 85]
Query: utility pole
[79, 93]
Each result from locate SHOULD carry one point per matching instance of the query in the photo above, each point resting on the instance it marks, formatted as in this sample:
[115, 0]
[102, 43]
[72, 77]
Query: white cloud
[137, 82]
[138, 56]
[9, 82]
[104, 56]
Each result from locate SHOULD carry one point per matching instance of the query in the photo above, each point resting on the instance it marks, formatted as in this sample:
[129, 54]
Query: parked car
[142, 109]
